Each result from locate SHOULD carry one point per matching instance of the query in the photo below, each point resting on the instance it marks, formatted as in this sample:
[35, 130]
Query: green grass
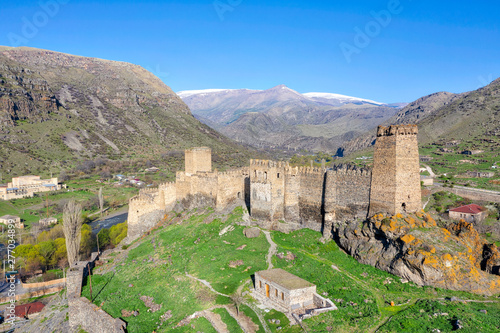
[157, 268]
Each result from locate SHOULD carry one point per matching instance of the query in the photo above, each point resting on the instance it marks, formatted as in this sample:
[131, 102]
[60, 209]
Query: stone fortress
[301, 197]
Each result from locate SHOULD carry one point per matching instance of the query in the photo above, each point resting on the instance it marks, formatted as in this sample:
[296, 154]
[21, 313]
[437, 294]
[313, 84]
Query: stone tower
[395, 185]
[198, 159]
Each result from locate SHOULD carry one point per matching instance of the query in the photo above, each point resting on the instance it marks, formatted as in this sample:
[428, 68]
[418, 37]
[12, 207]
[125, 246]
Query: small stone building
[47, 221]
[17, 220]
[470, 213]
[287, 291]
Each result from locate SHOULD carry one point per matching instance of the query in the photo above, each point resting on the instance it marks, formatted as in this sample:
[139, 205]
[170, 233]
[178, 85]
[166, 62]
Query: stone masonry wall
[311, 197]
[198, 159]
[231, 187]
[82, 313]
[395, 186]
[347, 193]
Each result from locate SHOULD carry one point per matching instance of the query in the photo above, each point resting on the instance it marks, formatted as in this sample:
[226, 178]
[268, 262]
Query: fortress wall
[198, 190]
[347, 193]
[408, 190]
[395, 183]
[311, 197]
[168, 196]
[292, 191]
[231, 187]
[144, 213]
[198, 159]
[267, 189]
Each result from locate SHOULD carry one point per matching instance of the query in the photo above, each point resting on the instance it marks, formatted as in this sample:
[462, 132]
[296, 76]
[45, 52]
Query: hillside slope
[444, 116]
[56, 108]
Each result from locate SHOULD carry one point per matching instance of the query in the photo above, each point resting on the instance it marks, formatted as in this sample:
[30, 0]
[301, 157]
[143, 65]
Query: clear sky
[388, 51]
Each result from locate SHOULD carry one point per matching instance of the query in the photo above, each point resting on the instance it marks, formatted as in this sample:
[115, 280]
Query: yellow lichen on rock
[407, 238]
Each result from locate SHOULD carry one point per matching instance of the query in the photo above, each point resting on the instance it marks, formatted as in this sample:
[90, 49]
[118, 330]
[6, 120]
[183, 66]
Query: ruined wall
[82, 313]
[198, 159]
[395, 186]
[347, 193]
[147, 208]
[311, 196]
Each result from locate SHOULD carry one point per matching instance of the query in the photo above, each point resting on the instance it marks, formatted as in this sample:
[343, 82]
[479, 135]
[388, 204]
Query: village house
[17, 221]
[29, 310]
[27, 186]
[289, 293]
[470, 213]
[47, 221]
[425, 158]
[481, 174]
[427, 180]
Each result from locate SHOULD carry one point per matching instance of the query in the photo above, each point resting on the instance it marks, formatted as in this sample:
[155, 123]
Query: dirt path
[244, 324]
[433, 175]
[272, 249]
[215, 320]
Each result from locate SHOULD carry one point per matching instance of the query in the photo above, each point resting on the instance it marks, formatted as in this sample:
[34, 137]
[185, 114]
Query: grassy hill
[153, 274]
[57, 109]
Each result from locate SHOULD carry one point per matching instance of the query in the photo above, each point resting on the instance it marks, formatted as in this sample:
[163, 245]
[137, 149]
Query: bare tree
[237, 299]
[101, 200]
[72, 223]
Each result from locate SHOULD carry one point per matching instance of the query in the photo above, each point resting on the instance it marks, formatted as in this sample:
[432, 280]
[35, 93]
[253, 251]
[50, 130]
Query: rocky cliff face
[415, 248]
[58, 107]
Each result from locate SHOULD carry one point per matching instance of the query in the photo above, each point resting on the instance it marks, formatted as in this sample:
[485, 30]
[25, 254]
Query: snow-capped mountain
[282, 116]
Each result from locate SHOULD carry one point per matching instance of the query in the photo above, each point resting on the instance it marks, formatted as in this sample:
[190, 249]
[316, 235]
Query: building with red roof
[470, 213]
[28, 310]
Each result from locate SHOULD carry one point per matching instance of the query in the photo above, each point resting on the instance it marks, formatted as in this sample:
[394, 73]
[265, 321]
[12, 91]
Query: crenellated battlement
[311, 170]
[148, 190]
[235, 172]
[349, 169]
[269, 163]
[397, 130]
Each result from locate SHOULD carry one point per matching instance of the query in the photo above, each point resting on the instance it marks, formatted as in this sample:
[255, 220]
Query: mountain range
[283, 118]
[57, 108]
[445, 116]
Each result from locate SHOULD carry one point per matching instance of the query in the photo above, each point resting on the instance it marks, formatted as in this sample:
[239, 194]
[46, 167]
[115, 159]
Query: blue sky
[311, 46]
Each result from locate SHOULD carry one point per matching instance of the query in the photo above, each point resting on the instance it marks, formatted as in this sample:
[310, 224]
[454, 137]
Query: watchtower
[198, 159]
[395, 185]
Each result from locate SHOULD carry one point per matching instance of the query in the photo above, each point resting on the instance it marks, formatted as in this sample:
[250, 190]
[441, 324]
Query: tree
[104, 239]
[72, 224]
[237, 298]
[87, 241]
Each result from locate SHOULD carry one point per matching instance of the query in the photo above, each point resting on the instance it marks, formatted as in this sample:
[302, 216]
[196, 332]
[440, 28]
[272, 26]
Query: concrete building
[470, 213]
[27, 186]
[17, 221]
[289, 293]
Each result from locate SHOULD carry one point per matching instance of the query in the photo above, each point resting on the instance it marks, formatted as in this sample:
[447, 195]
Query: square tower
[198, 159]
[395, 185]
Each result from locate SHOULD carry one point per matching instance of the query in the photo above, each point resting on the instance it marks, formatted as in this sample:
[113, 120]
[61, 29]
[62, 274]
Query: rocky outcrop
[415, 248]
